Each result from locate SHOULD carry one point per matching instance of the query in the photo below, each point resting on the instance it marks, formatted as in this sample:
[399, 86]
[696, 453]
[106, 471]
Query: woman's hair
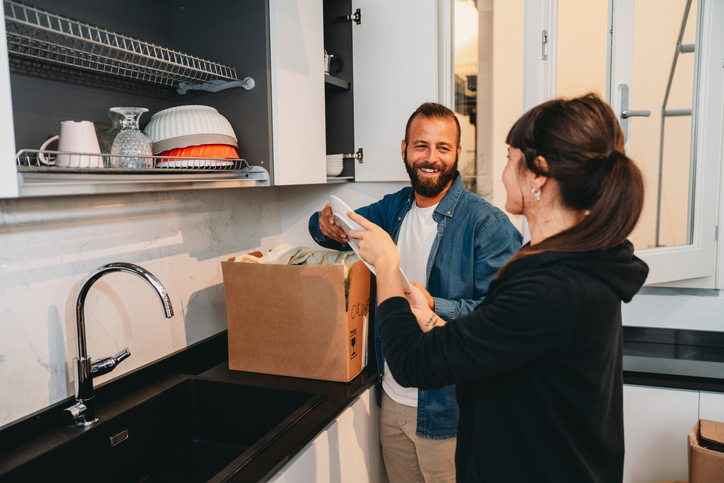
[583, 146]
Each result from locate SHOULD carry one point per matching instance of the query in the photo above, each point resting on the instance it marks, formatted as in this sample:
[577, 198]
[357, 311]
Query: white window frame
[693, 265]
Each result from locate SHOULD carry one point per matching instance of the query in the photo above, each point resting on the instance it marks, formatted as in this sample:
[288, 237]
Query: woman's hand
[375, 245]
[377, 248]
[426, 318]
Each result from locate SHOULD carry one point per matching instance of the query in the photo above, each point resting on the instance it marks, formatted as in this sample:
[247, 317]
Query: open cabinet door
[395, 70]
[297, 92]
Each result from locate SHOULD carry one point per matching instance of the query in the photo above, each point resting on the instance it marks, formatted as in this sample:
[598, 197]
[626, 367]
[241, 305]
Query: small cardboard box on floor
[290, 320]
[706, 452]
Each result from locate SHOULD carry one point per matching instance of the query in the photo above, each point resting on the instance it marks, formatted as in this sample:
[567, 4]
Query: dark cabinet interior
[230, 32]
[339, 100]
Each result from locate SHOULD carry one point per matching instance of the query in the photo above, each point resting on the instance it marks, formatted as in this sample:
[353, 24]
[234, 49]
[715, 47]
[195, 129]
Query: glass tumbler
[106, 139]
[130, 141]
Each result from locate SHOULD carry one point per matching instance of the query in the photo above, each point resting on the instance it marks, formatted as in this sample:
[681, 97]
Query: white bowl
[183, 126]
[334, 170]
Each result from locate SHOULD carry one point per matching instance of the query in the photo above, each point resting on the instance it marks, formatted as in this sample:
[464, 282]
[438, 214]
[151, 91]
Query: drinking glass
[131, 141]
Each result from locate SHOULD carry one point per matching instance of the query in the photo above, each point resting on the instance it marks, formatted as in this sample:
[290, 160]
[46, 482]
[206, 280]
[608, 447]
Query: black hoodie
[538, 367]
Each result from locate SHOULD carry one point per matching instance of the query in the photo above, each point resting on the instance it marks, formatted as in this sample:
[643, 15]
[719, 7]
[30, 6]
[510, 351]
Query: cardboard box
[290, 320]
[706, 452]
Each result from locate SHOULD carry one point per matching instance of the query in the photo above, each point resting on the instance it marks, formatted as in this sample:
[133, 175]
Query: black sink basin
[196, 430]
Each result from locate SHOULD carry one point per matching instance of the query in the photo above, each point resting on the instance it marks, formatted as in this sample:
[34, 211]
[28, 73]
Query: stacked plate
[335, 164]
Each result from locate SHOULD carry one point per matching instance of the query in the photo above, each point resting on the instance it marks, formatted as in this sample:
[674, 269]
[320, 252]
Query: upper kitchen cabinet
[74, 60]
[384, 64]
[395, 70]
[297, 91]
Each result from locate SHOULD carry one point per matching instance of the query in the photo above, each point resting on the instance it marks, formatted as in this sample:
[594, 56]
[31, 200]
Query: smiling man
[451, 244]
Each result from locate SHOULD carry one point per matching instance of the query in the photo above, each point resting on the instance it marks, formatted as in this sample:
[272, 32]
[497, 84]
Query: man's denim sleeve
[374, 213]
[496, 244]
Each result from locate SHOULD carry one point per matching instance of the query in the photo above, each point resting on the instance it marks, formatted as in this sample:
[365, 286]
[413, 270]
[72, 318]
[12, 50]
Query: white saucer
[339, 212]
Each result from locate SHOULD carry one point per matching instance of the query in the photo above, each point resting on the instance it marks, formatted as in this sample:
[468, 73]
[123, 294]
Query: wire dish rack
[41, 35]
[34, 160]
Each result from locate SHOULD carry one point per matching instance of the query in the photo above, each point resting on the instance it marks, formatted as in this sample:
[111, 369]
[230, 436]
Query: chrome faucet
[83, 412]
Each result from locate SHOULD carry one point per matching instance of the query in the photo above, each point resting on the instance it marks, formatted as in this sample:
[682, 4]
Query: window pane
[656, 31]
[582, 51]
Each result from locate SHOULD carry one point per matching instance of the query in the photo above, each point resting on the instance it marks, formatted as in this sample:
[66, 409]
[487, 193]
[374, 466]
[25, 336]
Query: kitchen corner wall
[49, 245]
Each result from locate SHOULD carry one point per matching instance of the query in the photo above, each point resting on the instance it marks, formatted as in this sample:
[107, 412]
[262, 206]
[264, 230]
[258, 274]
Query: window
[666, 57]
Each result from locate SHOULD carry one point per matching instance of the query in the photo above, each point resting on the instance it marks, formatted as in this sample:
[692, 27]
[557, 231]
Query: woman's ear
[539, 180]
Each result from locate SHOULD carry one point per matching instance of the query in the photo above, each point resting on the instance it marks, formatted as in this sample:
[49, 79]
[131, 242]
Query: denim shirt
[474, 239]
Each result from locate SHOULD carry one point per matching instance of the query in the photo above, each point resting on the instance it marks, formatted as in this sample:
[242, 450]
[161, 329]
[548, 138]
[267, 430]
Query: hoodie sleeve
[531, 319]
[496, 243]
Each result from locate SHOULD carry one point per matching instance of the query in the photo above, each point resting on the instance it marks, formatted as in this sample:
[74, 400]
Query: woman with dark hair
[538, 364]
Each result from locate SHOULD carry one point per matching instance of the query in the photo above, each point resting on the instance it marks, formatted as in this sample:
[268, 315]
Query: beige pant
[408, 457]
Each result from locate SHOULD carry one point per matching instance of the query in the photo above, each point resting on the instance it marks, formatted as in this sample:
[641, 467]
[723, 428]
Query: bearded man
[451, 244]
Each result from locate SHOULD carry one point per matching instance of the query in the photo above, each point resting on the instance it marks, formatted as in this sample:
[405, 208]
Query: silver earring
[536, 194]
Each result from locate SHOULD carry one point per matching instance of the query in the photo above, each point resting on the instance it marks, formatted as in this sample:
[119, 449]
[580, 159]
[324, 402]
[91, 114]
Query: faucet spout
[85, 369]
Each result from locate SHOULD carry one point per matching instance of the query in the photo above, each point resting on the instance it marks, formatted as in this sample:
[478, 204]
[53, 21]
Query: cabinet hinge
[357, 17]
[359, 155]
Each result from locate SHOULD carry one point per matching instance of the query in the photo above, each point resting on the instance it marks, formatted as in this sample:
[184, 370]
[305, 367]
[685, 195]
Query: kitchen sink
[195, 430]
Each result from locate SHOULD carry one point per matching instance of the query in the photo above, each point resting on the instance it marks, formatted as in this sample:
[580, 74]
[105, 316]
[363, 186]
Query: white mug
[75, 137]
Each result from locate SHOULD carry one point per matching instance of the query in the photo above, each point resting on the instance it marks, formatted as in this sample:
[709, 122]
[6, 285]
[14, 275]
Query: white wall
[676, 308]
[49, 245]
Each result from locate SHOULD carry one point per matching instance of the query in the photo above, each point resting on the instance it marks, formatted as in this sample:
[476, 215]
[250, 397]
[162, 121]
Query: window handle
[631, 113]
[623, 99]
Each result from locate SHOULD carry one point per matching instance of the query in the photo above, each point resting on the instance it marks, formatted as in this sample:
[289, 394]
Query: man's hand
[329, 228]
[428, 297]
[426, 318]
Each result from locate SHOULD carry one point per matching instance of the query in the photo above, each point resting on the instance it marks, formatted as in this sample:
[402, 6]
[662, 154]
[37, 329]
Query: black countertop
[685, 359]
[656, 357]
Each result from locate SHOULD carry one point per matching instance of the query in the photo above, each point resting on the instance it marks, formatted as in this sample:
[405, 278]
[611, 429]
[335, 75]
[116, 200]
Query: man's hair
[432, 110]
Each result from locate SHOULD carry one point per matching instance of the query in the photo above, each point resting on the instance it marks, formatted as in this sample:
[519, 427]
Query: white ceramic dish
[334, 170]
[183, 126]
[339, 211]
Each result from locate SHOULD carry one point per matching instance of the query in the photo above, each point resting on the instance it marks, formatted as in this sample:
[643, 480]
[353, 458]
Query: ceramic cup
[75, 137]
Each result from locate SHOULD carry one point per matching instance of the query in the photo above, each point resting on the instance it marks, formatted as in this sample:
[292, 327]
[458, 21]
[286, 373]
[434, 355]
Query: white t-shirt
[417, 234]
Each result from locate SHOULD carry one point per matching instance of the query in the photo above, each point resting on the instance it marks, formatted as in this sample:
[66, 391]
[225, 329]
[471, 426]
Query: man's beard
[427, 187]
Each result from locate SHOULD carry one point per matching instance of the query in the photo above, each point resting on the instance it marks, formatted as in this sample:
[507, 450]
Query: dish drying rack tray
[29, 160]
[38, 179]
[48, 37]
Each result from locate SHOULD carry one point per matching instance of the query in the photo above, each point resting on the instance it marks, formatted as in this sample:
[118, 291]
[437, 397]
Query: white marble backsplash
[49, 245]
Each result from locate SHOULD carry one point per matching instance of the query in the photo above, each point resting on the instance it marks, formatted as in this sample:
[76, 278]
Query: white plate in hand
[339, 212]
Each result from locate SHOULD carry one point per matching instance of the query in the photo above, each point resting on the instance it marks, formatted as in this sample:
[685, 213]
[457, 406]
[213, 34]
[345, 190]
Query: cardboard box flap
[711, 435]
[705, 465]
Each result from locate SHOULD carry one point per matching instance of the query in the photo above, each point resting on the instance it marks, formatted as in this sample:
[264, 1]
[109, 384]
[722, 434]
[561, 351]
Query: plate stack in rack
[335, 164]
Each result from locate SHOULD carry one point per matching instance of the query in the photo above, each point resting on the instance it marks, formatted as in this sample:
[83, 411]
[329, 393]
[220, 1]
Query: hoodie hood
[617, 267]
